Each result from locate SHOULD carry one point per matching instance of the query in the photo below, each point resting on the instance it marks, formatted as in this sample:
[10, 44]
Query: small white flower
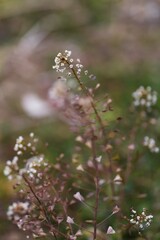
[79, 139]
[110, 230]
[72, 237]
[80, 168]
[144, 97]
[151, 144]
[19, 153]
[31, 134]
[15, 160]
[86, 72]
[79, 233]
[79, 197]
[101, 181]
[7, 170]
[133, 211]
[132, 221]
[117, 179]
[70, 220]
[98, 159]
[19, 139]
[116, 209]
[98, 85]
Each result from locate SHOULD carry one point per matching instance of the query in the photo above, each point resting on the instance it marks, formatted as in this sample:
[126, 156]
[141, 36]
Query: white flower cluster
[151, 144]
[19, 145]
[14, 168]
[64, 61]
[22, 145]
[61, 60]
[144, 97]
[17, 209]
[142, 220]
[34, 163]
[11, 168]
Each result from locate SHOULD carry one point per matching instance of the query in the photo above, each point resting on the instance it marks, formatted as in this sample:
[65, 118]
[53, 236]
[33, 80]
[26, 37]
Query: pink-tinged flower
[78, 196]
[79, 233]
[116, 209]
[131, 147]
[110, 230]
[72, 237]
[70, 220]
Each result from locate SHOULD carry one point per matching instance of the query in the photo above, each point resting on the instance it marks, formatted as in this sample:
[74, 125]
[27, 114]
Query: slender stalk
[105, 219]
[88, 94]
[39, 202]
[36, 197]
[102, 127]
[130, 158]
[96, 208]
[64, 208]
[111, 174]
[97, 187]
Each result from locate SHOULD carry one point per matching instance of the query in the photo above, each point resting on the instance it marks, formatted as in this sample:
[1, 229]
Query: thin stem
[105, 219]
[96, 208]
[97, 187]
[130, 158]
[92, 103]
[88, 206]
[36, 197]
[39, 202]
[102, 127]
[49, 238]
[60, 233]
[64, 207]
[88, 94]
[111, 174]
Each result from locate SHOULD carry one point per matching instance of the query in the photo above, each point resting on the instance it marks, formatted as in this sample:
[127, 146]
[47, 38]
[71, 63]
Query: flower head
[17, 209]
[151, 144]
[144, 97]
[141, 220]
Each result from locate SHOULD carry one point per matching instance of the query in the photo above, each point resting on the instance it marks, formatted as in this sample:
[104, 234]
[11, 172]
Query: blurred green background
[117, 40]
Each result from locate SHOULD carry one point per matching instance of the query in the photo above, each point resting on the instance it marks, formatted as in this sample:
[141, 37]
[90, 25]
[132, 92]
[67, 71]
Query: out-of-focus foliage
[118, 40]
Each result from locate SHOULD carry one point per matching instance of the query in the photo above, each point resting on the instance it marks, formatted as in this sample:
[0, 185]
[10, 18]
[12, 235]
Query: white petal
[110, 230]
[70, 220]
[78, 196]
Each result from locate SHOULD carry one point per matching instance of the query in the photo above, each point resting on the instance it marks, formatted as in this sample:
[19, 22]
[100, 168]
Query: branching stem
[39, 202]
[88, 94]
